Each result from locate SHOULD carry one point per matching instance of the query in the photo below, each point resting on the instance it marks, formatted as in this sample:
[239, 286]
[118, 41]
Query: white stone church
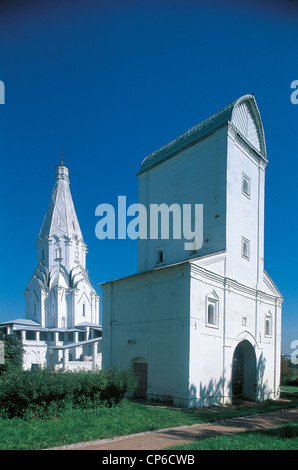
[202, 327]
[199, 326]
[61, 328]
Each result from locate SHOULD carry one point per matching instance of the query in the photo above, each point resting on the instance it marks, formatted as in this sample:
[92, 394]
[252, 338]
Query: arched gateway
[244, 372]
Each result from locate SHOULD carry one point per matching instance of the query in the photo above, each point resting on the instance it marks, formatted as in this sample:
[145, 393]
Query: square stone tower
[203, 324]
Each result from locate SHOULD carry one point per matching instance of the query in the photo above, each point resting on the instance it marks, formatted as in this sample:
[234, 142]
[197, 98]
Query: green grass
[76, 425]
[280, 438]
[289, 388]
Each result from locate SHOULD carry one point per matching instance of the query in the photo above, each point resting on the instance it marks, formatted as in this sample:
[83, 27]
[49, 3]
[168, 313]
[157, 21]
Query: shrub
[118, 383]
[13, 353]
[40, 393]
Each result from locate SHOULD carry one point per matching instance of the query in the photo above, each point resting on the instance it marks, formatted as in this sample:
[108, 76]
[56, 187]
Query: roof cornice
[206, 128]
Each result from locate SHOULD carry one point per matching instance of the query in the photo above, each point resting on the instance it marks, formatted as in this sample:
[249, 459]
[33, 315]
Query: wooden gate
[141, 369]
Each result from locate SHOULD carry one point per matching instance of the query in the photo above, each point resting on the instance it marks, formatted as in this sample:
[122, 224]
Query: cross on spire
[61, 156]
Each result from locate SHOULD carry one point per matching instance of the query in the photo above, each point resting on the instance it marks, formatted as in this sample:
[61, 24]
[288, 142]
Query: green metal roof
[196, 134]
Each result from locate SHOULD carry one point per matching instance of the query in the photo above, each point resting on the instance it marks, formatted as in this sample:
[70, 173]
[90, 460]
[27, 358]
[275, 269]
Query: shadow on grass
[215, 413]
[288, 431]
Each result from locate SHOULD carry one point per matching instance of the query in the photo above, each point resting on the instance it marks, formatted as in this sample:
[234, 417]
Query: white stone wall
[245, 214]
[195, 176]
[241, 316]
[160, 317]
[35, 352]
[147, 316]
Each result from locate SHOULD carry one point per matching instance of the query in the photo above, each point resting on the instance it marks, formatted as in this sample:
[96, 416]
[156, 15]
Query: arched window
[212, 316]
[267, 328]
[268, 324]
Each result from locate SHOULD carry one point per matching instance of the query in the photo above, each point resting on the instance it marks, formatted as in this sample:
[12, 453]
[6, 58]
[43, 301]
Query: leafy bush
[41, 393]
[13, 353]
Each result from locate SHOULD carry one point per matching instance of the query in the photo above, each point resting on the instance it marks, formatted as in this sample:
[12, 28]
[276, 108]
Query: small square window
[43, 336]
[30, 335]
[81, 336]
[60, 336]
[245, 247]
[70, 337]
[245, 185]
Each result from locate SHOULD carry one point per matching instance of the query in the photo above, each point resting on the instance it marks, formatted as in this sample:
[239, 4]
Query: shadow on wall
[263, 390]
[246, 381]
[209, 394]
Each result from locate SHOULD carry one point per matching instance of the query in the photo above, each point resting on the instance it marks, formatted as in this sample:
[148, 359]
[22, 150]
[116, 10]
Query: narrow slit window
[159, 256]
[268, 325]
[211, 314]
[246, 185]
[245, 248]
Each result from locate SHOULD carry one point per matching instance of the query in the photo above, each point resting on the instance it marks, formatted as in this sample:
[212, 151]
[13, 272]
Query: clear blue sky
[112, 82]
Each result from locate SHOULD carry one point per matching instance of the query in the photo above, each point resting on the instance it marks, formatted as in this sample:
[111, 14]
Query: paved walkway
[158, 440]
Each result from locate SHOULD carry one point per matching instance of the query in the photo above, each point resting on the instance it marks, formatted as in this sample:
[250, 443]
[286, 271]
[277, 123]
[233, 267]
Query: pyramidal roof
[61, 218]
[242, 113]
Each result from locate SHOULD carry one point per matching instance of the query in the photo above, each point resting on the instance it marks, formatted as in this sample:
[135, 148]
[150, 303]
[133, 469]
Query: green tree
[13, 352]
[284, 370]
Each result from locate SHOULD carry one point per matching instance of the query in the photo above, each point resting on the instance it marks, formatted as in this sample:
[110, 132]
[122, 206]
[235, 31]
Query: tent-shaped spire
[61, 218]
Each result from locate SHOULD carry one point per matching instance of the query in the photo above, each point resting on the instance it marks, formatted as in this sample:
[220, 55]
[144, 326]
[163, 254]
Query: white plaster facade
[61, 326]
[205, 325]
